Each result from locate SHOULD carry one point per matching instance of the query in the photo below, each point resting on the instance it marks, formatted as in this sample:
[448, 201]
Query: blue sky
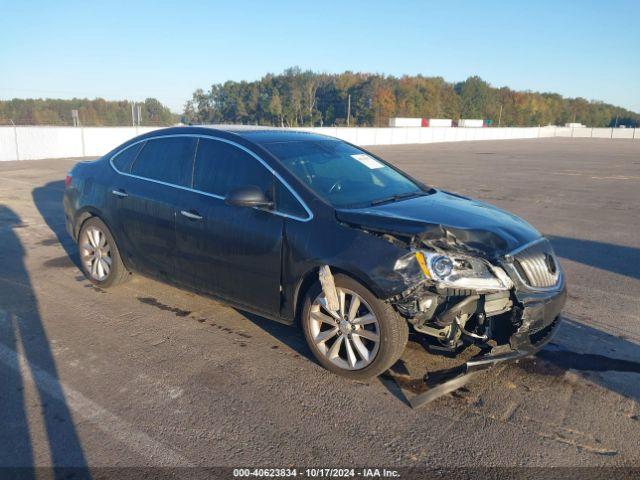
[161, 49]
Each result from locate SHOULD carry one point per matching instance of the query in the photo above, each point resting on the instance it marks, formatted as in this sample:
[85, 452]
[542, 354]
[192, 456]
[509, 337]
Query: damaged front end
[508, 305]
[467, 286]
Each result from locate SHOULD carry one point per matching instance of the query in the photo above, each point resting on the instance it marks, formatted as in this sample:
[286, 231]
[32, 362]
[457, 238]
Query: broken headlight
[462, 271]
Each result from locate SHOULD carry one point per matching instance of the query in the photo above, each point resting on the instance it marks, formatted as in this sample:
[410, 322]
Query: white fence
[29, 143]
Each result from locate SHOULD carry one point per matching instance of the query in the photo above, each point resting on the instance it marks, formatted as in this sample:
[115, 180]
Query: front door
[231, 252]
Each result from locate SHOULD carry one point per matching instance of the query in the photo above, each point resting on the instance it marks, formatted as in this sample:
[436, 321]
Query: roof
[262, 135]
[273, 136]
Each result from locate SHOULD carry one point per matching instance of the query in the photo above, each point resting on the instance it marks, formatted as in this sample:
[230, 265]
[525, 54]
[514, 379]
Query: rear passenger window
[221, 167]
[123, 160]
[168, 159]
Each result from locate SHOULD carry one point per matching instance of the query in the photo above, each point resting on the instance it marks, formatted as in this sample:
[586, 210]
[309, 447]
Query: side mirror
[249, 196]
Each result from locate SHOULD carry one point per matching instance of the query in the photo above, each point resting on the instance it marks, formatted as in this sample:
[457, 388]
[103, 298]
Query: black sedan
[310, 230]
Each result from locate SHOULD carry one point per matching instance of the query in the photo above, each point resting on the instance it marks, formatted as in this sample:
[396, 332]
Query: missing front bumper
[449, 381]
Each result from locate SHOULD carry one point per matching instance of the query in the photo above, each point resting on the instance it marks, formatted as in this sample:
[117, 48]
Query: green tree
[96, 112]
[275, 109]
[475, 97]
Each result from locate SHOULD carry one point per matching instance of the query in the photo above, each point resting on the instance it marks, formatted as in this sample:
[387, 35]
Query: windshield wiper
[395, 198]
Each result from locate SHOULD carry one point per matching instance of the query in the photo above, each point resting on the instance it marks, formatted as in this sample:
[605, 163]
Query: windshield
[341, 174]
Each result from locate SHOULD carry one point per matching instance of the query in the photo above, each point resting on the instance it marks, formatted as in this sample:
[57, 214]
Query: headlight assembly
[462, 271]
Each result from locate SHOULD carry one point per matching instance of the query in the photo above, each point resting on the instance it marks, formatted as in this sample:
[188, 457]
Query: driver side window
[220, 167]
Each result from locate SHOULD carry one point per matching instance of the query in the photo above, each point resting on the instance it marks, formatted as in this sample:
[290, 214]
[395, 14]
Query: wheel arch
[84, 214]
[309, 278]
[81, 217]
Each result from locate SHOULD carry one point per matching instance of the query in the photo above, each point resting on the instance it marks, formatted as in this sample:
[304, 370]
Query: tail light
[67, 180]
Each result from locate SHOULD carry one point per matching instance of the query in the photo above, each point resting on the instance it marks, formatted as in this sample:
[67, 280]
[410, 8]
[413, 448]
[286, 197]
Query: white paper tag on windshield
[368, 161]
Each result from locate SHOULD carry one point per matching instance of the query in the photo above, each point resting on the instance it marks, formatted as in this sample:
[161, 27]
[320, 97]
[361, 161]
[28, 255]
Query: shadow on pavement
[25, 351]
[48, 201]
[290, 335]
[605, 359]
[618, 259]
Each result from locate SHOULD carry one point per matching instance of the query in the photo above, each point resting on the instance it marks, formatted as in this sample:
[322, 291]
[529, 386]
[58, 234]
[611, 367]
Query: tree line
[306, 98]
[97, 112]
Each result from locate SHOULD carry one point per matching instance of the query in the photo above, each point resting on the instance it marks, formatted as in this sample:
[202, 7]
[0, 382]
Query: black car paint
[234, 252]
[474, 223]
[144, 222]
[266, 270]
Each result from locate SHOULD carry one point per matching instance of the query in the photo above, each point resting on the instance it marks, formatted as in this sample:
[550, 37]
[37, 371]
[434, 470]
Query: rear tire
[99, 256]
[363, 341]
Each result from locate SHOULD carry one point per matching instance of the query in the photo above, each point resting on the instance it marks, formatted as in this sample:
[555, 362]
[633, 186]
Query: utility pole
[500, 116]
[348, 110]
[616, 124]
[133, 117]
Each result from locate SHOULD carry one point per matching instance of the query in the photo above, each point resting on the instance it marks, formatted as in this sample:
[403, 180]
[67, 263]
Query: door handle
[191, 215]
[120, 193]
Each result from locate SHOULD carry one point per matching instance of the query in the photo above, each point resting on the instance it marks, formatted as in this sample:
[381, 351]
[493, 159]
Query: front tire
[360, 341]
[99, 255]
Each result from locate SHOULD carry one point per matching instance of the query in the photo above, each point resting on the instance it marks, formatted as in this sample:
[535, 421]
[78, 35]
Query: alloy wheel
[349, 337]
[95, 253]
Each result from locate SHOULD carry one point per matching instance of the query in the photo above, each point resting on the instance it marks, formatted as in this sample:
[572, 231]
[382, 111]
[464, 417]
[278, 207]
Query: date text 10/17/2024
[316, 472]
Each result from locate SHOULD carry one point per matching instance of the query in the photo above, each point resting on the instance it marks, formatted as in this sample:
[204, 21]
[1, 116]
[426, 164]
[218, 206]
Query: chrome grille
[537, 265]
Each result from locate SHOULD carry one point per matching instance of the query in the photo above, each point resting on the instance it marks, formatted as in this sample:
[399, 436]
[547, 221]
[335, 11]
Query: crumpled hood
[473, 223]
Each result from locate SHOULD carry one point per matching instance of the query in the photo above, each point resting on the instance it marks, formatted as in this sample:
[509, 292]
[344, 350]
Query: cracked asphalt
[149, 375]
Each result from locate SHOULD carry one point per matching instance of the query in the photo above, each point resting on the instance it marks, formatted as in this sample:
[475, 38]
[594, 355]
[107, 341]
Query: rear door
[232, 252]
[146, 197]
